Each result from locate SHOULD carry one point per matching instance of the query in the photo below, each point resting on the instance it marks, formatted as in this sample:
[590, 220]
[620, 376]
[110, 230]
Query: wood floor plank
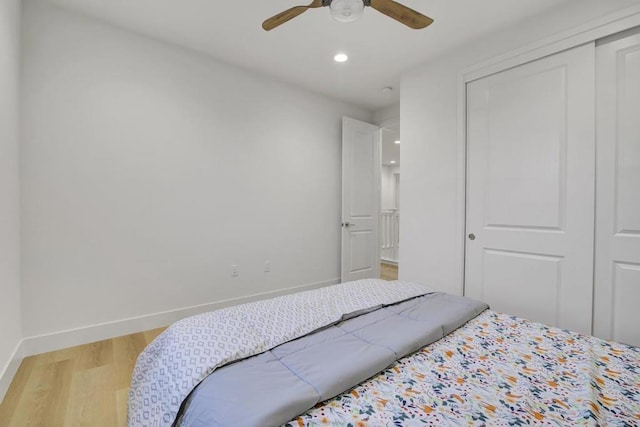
[87, 385]
[29, 408]
[92, 399]
[122, 400]
[58, 395]
[16, 391]
[388, 271]
[95, 354]
[152, 334]
[38, 396]
[125, 352]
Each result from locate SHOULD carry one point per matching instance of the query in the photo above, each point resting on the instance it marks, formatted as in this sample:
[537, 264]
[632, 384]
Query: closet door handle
[472, 236]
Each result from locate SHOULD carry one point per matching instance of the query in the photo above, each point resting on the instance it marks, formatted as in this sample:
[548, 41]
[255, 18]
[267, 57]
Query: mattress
[380, 353]
[497, 370]
[277, 385]
[180, 358]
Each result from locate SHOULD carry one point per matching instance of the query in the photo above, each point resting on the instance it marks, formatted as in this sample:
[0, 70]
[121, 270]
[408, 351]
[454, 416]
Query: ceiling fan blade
[401, 13]
[288, 14]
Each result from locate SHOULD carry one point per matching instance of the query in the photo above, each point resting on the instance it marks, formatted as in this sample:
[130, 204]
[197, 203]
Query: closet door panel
[530, 189]
[617, 270]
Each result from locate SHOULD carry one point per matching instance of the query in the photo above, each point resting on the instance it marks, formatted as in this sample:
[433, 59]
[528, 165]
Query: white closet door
[617, 273]
[530, 189]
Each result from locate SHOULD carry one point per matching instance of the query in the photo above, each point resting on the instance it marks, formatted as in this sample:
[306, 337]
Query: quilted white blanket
[188, 351]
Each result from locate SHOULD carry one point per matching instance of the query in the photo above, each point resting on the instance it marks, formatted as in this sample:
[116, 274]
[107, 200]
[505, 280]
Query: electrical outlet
[267, 266]
[234, 270]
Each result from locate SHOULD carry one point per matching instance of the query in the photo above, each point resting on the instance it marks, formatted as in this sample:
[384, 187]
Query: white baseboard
[85, 335]
[10, 369]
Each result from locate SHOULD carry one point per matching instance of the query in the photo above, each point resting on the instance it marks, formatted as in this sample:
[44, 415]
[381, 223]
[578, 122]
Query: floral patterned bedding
[497, 370]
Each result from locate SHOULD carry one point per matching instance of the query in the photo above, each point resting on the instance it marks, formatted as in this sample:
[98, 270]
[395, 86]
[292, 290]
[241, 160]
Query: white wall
[431, 237]
[148, 170]
[383, 116]
[9, 191]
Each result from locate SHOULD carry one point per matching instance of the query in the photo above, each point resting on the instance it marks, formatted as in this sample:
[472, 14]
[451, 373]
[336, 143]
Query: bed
[380, 353]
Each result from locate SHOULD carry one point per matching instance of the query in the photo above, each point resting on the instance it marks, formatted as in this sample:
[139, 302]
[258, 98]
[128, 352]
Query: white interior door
[617, 272]
[530, 189]
[360, 200]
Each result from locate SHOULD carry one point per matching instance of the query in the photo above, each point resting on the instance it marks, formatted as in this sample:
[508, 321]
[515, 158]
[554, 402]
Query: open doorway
[390, 202]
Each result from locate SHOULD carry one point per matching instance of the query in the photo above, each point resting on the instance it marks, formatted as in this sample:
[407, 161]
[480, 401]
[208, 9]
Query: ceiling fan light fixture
[346, 10]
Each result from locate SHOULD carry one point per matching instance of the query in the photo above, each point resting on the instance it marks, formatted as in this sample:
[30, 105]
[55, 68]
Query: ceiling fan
[350, 10]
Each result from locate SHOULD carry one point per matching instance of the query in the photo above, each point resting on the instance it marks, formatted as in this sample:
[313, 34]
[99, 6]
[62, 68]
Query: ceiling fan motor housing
[328, 2]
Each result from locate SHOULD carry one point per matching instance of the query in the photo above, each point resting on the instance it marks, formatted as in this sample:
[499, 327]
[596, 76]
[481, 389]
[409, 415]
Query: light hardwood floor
[388, 271]
[86, 385]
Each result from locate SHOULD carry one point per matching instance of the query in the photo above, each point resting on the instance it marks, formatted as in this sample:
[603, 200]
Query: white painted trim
[84, 335]
[377, 174]
[10, 369]
[585, 33]
[393, 121]
[462, 180]
[613, 23]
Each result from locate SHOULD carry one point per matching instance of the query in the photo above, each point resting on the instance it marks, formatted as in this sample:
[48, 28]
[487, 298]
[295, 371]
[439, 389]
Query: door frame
[393, 121]
[586, 33]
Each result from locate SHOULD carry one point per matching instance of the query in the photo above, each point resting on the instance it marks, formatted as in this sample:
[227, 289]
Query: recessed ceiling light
[393, 162]
[397, 142]
[341, 57]
[386, 90]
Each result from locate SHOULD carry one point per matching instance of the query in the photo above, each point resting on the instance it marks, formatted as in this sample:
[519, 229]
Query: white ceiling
[301, 51]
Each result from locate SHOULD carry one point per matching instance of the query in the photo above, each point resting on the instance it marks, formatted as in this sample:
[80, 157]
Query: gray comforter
[273, 387]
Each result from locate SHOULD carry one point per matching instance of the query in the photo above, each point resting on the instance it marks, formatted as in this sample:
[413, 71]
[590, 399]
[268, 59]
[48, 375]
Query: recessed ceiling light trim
[341, 57]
